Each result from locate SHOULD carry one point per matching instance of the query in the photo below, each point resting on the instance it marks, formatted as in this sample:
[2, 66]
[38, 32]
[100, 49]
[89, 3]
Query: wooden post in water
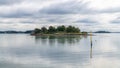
[91, 44]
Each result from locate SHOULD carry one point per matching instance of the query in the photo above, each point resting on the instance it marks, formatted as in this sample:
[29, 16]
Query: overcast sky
[88, 15]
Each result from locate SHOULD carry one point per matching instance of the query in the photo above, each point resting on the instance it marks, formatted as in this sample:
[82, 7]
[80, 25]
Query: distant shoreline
[16, 32]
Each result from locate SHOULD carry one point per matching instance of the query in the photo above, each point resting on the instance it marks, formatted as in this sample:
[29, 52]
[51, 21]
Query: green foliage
[84, 32]
[59, 29]
[44, 30]
[72, 29]
[51, 29]
[69, 29]
[77, 30]
[36, 31]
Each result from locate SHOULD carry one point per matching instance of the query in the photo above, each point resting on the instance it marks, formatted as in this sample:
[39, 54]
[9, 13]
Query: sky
[88, 15]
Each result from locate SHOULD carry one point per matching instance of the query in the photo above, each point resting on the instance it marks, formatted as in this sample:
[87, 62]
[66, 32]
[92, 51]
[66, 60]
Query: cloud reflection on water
[60, 52]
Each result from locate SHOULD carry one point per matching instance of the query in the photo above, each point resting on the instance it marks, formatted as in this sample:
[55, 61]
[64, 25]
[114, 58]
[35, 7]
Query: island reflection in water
[68, 42]
[25, 51]
[53, 40]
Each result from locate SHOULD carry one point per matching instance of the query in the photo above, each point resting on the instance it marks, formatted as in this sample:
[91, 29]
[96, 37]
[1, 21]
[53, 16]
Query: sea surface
[25, 51]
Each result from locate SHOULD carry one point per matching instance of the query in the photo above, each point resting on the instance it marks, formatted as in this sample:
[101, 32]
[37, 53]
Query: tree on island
[44, 30]
[52, 30]
[58, 29]
[61, 28]
[36, 31]
[72, 29]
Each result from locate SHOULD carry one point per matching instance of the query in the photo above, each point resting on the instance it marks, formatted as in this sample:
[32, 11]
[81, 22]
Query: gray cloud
[71, 7]
[46, 12]
[18, 10]
[20, 14]
[8, 2]
[110, 10]
[74, 7]
[87, 21]
[62, 8]
[116, 21]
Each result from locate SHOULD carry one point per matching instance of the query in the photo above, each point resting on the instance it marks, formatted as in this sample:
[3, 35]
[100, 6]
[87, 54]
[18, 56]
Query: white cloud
[104, 4]
[92, 14]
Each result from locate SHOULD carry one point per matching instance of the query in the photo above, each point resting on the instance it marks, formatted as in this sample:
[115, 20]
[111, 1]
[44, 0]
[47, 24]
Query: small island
[102, 32]
[59, 30]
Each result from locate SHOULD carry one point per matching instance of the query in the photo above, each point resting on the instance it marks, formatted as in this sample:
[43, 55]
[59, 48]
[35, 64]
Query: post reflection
[91, 50]
[91, 45]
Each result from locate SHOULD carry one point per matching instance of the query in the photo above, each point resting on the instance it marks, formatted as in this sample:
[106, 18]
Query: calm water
[25, 51]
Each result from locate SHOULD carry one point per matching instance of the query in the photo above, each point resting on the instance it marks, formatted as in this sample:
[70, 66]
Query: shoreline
[64, 34]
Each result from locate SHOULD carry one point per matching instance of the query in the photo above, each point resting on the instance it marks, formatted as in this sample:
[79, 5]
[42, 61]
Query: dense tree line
[59, 29]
